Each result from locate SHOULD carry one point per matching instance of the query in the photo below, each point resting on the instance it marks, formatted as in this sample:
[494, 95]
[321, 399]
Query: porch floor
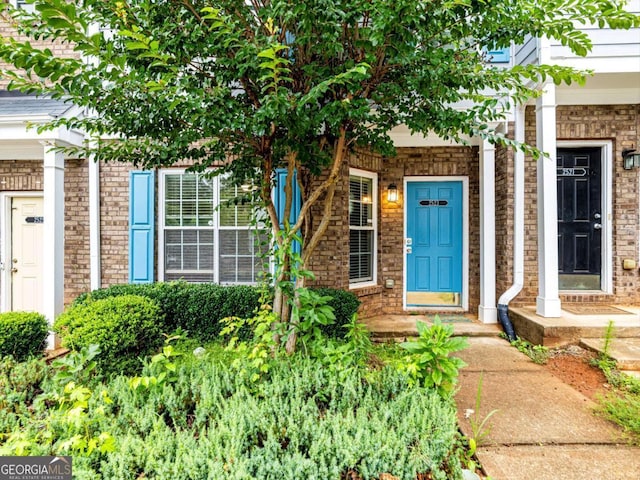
[571, 328]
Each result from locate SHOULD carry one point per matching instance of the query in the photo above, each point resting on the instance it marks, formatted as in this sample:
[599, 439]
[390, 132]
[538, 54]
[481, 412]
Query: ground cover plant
[622, 404]
[240, 406]
[208, 418]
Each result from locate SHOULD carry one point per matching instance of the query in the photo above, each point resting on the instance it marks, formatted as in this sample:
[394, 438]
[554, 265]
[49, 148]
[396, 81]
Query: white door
[26, 253]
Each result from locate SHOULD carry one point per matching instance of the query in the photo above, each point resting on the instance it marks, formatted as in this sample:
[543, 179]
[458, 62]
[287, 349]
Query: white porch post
[548, 302]
[487, 311]
[53, 270]
[94, 224]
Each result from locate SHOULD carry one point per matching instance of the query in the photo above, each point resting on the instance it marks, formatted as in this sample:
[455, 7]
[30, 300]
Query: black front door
[579, 218]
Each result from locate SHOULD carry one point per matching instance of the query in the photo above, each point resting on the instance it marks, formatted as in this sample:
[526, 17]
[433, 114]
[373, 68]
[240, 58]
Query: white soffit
[602, 89]
[402, 137]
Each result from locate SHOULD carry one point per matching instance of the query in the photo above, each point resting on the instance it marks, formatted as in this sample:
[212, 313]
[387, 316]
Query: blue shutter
[141, 226]
[280, 197]
[501, 55]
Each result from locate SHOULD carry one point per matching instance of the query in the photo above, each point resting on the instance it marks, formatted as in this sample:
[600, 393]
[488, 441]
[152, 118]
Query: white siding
[614, 51]
[527, 53]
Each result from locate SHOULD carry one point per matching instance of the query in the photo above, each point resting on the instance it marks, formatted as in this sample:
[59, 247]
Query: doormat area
[594, 310]
[449, 318]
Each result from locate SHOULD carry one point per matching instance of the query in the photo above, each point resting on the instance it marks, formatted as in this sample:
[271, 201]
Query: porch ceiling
[602, 89]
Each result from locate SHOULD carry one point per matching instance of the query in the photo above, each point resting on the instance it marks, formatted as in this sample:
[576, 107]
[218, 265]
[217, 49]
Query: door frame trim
[606, 168]
[6, 235]
[465, 242]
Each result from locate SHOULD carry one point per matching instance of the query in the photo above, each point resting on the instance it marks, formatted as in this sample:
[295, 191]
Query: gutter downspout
[518, 229]
[94, 224]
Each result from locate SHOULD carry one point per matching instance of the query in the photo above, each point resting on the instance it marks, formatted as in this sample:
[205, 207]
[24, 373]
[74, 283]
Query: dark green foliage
[22, 334]
[344, 305]
[20, 383]
[199, 307]
[194, 307]
[300, 422]
[125, 327]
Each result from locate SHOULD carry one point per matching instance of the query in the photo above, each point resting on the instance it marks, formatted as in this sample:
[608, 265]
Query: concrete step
[625, 351]
[570, 328]
[398, 328]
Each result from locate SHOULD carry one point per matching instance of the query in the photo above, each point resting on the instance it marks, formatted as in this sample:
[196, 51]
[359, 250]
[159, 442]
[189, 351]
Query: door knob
[14, 270]
[597, 226]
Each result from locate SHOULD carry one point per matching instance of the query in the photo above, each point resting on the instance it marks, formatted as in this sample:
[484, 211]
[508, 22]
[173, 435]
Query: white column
[487, 311]
[94, 224]
[548, 302]
[53, 270]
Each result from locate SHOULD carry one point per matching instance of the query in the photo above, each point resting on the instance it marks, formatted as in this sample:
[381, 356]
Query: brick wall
[7, 29]
[331, 261]
[114, 223]
[432, 161]
[504, 218]
[619, 124]
[77, 269]
[21, 175]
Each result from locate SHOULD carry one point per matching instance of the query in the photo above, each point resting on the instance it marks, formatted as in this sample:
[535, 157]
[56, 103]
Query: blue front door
[434, 243]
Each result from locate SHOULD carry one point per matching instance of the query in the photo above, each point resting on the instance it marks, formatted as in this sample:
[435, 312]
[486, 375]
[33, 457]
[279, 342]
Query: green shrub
[22, 334]
[195, 307]
[199, 307]
[126, 327]
[344, 305]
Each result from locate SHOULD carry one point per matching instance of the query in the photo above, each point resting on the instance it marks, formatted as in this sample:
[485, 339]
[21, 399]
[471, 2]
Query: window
[206, 231]
[362, 227]
[24, 5]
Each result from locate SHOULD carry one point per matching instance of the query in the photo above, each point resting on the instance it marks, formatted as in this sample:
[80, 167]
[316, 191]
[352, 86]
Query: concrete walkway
[544, 429]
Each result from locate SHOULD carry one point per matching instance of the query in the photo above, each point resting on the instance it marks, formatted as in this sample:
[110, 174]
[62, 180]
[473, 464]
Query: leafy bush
[20, 383]
[429, 363]
[22, 334]
[195, 307]
[199, 307]
[345, 304]
[125, 327]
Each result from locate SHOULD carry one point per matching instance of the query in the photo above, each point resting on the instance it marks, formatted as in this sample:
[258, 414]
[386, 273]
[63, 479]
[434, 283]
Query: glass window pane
[189, 253]
[362, 229]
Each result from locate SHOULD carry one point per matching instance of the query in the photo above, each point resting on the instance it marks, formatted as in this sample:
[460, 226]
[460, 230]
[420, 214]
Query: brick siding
[331, 261]
[114, 223]
[619, 124]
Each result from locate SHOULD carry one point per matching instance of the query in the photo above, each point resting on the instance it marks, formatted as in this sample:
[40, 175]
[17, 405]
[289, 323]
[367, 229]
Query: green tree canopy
[256, 85]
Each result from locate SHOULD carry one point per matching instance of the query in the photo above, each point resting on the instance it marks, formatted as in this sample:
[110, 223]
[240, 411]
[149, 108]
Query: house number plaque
[434, 203]
[34, 219]
[571, 172]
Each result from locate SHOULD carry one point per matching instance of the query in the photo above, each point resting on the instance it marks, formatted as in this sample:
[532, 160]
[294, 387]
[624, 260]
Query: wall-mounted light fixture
[392, 193]
[630, 158]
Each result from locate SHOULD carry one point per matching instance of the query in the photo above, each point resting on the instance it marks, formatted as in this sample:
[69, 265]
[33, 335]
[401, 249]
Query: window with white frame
[362, 227]
[207, 232]
[23, 4]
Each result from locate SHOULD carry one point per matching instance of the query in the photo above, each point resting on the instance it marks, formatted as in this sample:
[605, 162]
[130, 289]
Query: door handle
[14, 270]
[597, 226]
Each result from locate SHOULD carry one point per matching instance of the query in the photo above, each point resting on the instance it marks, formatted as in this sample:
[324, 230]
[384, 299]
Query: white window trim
[215, 227]
[374, 198]
[27, 7]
